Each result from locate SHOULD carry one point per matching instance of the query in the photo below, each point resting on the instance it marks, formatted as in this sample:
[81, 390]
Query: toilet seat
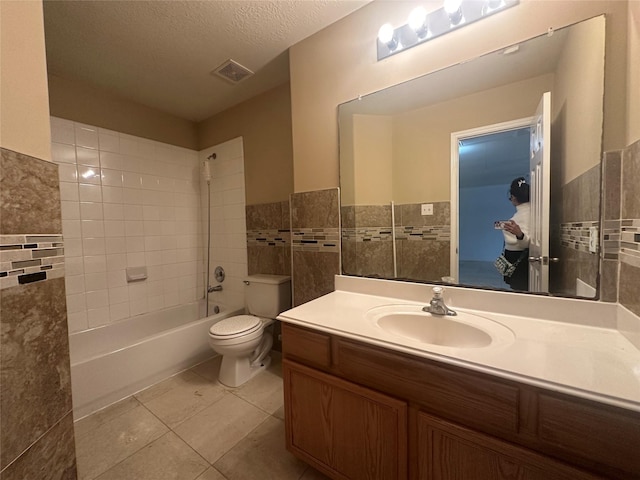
[239, 325]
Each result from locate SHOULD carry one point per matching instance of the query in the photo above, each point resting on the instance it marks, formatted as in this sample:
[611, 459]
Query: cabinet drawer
[472, 399]
[306, 346]
[598, 435]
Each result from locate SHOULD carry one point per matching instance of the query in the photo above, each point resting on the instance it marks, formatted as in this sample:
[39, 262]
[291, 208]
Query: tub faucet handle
[217, 288]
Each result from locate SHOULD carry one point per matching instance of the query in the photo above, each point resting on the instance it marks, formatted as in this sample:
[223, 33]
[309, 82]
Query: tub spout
[217, 288]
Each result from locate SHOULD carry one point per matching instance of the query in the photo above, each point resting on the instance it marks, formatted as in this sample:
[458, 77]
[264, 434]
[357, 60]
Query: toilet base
[234, 371]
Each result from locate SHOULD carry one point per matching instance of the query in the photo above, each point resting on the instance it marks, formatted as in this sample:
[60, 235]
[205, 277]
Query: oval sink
[465, 330]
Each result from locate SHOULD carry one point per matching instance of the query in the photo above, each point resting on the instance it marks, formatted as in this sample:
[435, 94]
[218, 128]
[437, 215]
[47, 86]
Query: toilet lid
[239, 324]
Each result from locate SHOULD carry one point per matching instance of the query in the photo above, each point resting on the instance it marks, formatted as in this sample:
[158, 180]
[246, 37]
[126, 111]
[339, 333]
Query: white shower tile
[156, 302]
[133, 228]
[130, 164]
[87, 157]
[168, 271]
[114, 244]
[152, 243]
[113, 211]
[135, 259]
[112, 195]
[234, 197]
[138, 307]
[153, 258]
[74, 284]
[133, 212]
[151, 212]
[71, 229]
[147, 149]
[97, 317]
[61, 153]
[90, 193]
[76, 303]
[69, 191]
[116, 279]
[118, 312]
[67, 172]
[236, 211]
[92, 228]
[135, 244]
[70, 210]
[171, 299]
[62, 132]
[168, 228]
[93, 246]
[77, 321]
[128, 145]
[152, 228]
[116, 261]
[132, 180]
[111, 161]
[133, 196]
[95, 264]
[86, 136]
[73, 247]
[118, 295]
[97, 299]
[95, 281]
[155, 273]
[91, 211]
[88, 175]
[166, 184]
[112, 178]
[137, 291]
[74, 265]
[114, 228]
[108, 141]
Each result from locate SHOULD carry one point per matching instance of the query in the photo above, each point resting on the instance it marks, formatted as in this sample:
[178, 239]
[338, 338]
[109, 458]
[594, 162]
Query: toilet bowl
[242, 340]
[244, 345]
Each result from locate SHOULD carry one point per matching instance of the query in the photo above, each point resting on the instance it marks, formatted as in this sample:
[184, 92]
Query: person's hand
[513, 228]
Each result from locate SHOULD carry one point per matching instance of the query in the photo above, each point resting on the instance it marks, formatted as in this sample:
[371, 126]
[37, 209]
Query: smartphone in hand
[500, 224]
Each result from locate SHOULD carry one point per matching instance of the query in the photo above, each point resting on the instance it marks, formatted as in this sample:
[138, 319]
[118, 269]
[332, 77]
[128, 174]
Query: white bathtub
[112, 362]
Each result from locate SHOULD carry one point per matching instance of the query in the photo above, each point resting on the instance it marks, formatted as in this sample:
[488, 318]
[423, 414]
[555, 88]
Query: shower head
[206, 171]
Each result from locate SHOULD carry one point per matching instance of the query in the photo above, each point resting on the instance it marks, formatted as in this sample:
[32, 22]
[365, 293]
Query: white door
[539, 196]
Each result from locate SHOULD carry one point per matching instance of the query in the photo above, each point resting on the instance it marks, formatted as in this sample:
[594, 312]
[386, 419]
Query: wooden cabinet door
[342, 429]
[450, 452]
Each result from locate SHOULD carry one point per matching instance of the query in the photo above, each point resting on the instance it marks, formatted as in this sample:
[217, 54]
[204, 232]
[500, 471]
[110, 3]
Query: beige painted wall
[83, 103]
[633, 73]
[339, 63]
[264, 122]
[373, 159]
[24, 101]
[577, 98]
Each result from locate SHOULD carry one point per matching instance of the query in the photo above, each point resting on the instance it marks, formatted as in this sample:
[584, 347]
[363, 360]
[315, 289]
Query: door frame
[456, 137]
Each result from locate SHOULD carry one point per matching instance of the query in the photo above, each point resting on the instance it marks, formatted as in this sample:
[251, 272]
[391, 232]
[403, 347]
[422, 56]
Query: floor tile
[185, 400]
[279, 413]
[212, 474]
[261, 455]
[215, 430]
[88, 424]
[182, 379]
[208, 369]
[264, 391]
[115, 440]
[167, 458]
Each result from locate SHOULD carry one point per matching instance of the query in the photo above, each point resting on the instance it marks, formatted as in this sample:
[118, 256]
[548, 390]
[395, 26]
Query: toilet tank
[267, 295]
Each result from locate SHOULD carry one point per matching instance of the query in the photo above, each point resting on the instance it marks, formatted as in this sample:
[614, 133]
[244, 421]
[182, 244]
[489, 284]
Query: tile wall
[269, 238]
[126, 202]
[228, 220]
[36, 420]
[422, 241]
[315, 243]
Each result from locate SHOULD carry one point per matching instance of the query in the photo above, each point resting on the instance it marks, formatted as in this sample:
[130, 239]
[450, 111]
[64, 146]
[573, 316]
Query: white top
[523, 218]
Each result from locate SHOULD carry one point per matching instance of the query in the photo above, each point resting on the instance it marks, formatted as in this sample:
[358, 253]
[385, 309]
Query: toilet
[242, 340]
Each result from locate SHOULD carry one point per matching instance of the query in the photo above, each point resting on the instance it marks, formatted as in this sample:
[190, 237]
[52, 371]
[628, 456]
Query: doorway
[488, 159]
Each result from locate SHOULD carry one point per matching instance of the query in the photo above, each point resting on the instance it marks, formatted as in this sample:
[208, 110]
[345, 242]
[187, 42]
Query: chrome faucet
[436, 305]
[217, 288]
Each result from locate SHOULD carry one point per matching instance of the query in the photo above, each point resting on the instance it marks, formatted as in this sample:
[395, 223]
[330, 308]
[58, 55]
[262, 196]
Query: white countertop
[583, 354]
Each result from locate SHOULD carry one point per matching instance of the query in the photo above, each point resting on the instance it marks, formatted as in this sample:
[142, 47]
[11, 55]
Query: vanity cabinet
[359, 411]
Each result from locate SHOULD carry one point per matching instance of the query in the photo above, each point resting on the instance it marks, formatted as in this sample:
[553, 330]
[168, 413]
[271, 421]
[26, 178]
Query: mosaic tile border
[438, 233]
[575, 235]
[630, 242]
[316, 239]
[30, 258]
[611, 239]
[269, 238]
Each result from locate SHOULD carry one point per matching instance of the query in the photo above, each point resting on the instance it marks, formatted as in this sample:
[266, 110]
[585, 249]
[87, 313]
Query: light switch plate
[593, 239]
[427, 209]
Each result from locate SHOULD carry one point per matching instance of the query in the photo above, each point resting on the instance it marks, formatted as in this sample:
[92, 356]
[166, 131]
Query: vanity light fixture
[422, 26]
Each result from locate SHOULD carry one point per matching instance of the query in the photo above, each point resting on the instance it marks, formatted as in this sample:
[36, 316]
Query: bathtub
[111, 362]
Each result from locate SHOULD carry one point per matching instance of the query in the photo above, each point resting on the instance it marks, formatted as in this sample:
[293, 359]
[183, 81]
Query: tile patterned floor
[191, 427]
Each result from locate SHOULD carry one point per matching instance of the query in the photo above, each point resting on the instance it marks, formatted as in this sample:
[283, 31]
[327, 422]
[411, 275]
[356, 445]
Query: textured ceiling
[160, 53]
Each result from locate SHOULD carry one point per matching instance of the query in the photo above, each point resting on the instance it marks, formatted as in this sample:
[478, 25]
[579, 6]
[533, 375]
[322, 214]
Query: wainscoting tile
[630, 181]
[611, 185]
[313, 274]
[422, 260]
[29, 194]
[34, 362]
[268, 239]
[52, 457]
[318, 209]
[629, 294]
[609, 281]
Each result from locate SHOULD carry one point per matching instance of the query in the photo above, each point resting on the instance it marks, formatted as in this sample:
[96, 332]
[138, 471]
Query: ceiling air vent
[232, 71]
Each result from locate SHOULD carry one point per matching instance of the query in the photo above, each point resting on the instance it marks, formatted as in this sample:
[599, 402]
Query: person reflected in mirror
[516, 235]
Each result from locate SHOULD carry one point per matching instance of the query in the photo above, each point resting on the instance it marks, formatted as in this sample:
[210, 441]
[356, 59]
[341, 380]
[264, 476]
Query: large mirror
[426, 165]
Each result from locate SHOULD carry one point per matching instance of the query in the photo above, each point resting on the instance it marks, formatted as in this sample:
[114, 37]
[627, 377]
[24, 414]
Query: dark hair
[520, 190]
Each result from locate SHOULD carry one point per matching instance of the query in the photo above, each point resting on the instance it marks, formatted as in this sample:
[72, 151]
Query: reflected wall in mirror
[396, 171]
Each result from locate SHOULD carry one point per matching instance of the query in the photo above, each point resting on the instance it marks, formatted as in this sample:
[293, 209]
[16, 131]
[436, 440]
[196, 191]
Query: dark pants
[520, 278]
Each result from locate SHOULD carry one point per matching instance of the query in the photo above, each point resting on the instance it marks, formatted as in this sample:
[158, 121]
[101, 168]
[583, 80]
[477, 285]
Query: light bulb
[386, 36]
[417, 18]
[452, 6]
